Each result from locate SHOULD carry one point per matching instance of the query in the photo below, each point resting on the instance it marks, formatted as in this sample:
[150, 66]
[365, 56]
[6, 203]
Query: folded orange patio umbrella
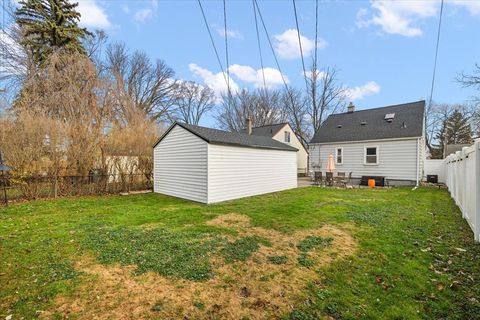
[330, 163]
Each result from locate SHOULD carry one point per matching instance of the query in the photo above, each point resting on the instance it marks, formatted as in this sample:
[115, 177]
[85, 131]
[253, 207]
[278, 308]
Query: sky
[384, 50]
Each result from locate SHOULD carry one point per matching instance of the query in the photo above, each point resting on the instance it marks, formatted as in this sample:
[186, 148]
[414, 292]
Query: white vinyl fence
[462, 173]
[435, 167]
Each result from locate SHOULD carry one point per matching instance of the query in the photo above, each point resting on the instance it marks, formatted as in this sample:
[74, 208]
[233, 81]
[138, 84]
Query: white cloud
[473, 6]
[230, 33]
[405, 17]
[287, 47]
[320, 74]
[216, 81]
[273, 77]
[398, 17]
[142, 14]
[360, 92]
[13, 55]
[93, 15]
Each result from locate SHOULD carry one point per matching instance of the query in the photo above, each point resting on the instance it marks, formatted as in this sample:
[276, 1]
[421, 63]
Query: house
[208, 165]
[387, 142]
[453, 148]
[283, 132]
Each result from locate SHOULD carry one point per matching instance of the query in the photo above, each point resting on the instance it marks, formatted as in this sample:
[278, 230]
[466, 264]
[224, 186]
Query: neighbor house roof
[215, 136]
[452, 148]
[268, 130]
[371, 124]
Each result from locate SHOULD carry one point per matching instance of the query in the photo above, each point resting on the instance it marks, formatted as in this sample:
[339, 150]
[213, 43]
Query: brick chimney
[249, 125]
[351, 107]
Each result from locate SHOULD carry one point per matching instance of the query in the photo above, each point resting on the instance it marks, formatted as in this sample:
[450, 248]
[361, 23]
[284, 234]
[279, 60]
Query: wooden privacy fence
[33, 187]
[462, 175]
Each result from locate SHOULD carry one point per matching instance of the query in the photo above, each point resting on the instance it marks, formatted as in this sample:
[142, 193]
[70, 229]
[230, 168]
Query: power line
[300, 45]
[259, 47]
[271, 46]
[214, 47]
[226, 45]
[316, 36]
[436, 54]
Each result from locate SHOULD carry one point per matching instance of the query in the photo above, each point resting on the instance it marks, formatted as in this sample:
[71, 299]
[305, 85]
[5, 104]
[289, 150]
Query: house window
[287, 136]
[339, 155]
[371, 155]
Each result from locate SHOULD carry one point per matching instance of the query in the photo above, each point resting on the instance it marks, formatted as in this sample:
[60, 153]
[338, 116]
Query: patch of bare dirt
[254, 289]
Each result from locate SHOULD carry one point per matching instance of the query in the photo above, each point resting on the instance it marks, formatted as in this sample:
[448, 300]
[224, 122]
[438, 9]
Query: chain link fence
[35, 187]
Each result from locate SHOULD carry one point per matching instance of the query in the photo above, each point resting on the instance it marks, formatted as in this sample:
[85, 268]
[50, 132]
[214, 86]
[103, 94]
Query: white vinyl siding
[237, 172]
[180, 165]
[302, 154]
[397, 159]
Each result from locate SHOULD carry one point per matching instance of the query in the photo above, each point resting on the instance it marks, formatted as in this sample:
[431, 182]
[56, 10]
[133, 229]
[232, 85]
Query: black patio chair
[329, 178]
[318, 178]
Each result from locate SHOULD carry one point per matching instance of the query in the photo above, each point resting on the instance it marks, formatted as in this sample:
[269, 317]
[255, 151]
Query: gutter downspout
[418, 165]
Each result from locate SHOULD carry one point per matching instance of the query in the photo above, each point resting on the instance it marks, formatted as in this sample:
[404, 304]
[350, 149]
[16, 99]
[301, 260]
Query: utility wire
[316, 36]
[259, 47]
[214, 47]
[300, 45]
[226, 46]
[271, 47]
[436, 54]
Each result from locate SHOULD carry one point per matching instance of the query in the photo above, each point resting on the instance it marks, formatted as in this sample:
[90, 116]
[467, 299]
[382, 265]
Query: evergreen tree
[50, 26]
[455, 130]
[458, 129]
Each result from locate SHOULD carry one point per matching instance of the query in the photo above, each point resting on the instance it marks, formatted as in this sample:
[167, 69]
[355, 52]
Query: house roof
[268, 130]
[452, 148]
[215, 136]
[371, 124]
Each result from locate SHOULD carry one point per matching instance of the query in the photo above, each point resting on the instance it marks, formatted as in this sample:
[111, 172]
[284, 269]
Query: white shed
[208, 165]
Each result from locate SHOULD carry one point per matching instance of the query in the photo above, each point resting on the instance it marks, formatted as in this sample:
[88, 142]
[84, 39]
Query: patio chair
[340, 177]
[346, 180]
[329, 178]
[318, 178]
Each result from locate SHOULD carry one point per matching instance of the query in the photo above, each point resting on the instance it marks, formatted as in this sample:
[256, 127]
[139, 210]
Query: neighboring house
[387, 142]
[118, 165]
[283, 132]
[452, 148]
[209, 165]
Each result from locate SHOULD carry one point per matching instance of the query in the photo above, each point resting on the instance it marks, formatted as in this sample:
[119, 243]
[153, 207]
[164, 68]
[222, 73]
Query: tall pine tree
[50, 26]
[456, 129]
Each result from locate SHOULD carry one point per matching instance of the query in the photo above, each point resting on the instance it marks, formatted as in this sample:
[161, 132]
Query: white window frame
[365, 156]
[336, 155]
[285, 136]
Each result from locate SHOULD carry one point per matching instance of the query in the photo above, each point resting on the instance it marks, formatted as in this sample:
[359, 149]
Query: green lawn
[307, 253]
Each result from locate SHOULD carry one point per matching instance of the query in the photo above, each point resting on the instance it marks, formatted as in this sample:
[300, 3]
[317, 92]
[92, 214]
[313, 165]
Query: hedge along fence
[33, 187]
[462, 171]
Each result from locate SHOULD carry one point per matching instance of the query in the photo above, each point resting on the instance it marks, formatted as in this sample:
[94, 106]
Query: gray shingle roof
[408, 122]
[215, 136]
[268, 130]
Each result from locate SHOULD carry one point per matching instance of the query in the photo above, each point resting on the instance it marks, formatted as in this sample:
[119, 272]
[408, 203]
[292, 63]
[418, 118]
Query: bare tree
[17, 61]
[263, 107]
[296, 108]
[326, 95]
[191, 101]
[472, 80]
[65, 90]
[139, 81]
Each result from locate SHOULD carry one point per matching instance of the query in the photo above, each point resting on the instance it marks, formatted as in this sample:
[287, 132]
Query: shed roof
[215, 136]
[372, 124]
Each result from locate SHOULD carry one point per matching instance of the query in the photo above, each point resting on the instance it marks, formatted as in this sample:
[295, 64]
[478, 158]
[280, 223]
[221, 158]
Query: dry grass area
[252, 289]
